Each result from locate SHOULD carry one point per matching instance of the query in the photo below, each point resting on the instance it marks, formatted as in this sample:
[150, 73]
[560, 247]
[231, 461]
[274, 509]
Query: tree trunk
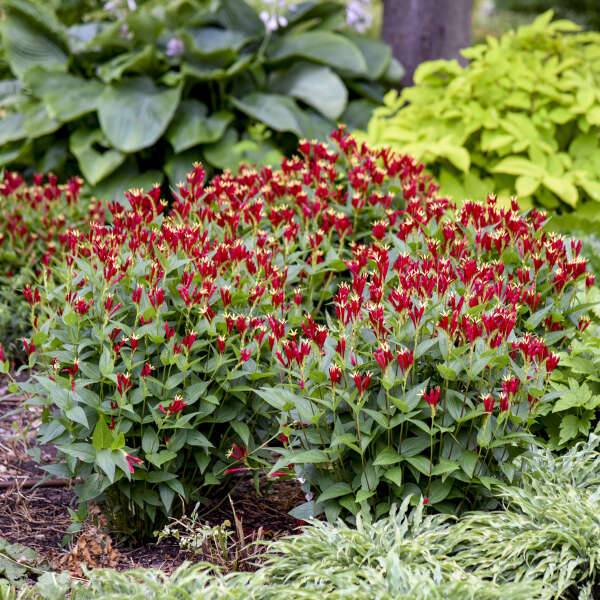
[419, 30]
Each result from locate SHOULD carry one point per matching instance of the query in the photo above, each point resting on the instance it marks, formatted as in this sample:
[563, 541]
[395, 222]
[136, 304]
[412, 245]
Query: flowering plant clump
[336, 312]
[32, 219]
[435, 360]
[169, 323]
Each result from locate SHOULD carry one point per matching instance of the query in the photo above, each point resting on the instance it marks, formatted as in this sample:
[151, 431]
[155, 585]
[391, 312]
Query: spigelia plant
[166, 325]
[487, 128]
[154, 86]
[32, 220]
[427, 379]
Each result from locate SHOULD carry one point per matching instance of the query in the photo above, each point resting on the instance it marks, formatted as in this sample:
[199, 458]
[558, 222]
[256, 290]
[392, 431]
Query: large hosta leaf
[179, 165]
[138, 61]
[323, 47]
[191, 126]
[236, 15]
[36, 120]
[67, 97]
[11, 128]
[135, 112]
[26, 45]
[278, 112]
[377, 55]
[318, 86]
[209, 40]
[94, 165]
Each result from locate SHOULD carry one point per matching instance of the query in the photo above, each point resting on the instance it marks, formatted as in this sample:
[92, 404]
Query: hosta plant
[164, 326]
[128, 96]
[32, 220]
[487, 128]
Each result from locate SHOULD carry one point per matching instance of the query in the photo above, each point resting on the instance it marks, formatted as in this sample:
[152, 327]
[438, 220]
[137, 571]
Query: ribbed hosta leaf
[136, 112]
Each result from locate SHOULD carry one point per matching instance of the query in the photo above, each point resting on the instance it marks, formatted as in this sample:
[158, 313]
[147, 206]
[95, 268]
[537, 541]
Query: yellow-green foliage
[523, 116]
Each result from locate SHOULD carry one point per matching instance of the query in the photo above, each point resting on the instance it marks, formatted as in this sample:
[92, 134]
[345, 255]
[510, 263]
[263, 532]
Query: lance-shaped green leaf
[135, 113]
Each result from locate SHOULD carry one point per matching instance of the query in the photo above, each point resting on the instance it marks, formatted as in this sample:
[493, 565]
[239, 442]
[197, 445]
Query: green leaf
[279, 398]
[158, 459]
[300, 457]
[106, 364]
[439, 490]
[195, 438]
[323, 47]
[317, 86]
[36, 120]
[67, 97]
[94, 165]
[278, 112]
[564, 189]
[445, 466]
[334, 491]
[569, 428]
[420, 463]
[388, 456]
[457, 155]
[467, 461]
[77, 414]
[394, 475]
[135, 113]
[517, 165]
[526, 186]
[103, 437]
[191, 126]
[138, 61]
[150, 442]
[26, 45]
[105, 460]
[376, 53]
[11, 128]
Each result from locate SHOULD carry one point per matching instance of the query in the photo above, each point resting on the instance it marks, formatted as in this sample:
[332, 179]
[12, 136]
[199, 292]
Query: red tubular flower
[379, 230]
[147, 369]
[432, 397]
[405, 360]
[245, 354]
[123, 382]
[131, 460]
[29, 347]
[221, 342]
[134, 342]
[238, 453]
[188, 340]
[552, 362]
[488, 403]
[504, 402]
[335, 374]
[2, 359]
[362, 382]
[177, 405]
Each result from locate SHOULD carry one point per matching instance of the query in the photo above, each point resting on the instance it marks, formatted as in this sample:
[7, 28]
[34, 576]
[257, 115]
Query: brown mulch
[38, 517]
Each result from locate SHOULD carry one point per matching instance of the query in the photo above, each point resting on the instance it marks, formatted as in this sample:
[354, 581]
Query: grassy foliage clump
[542, 546]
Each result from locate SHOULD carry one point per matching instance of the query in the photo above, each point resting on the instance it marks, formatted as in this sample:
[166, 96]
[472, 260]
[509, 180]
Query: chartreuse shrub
[124, 100]
[523, 115]
[543, 546]
[32, 220]
[149, 352]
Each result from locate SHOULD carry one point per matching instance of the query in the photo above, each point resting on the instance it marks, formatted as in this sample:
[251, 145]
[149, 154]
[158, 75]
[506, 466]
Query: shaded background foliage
[128, 101]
